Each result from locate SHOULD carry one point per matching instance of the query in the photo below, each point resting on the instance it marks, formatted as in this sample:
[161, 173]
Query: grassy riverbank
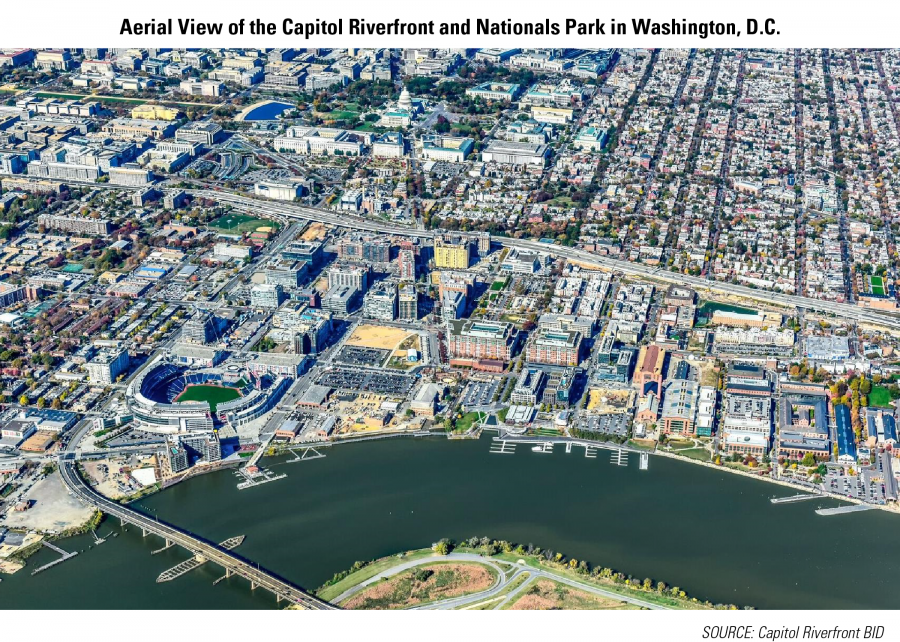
[390, 592]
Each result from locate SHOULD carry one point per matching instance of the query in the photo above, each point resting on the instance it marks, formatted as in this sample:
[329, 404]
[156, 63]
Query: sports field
[234, 223]
[205, 392]
[877, 285]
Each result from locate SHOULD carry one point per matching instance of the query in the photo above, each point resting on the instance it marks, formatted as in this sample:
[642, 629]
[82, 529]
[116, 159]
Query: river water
[712, 533]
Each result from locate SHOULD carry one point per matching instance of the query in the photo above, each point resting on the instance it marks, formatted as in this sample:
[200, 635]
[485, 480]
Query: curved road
[504, 580]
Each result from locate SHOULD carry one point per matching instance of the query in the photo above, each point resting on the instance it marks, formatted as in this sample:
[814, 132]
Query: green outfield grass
[205, 392]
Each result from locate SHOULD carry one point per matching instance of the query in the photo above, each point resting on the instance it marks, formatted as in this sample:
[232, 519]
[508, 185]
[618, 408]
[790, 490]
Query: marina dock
[840, 510]
[793, 498]
[505, 444]
[64, 555]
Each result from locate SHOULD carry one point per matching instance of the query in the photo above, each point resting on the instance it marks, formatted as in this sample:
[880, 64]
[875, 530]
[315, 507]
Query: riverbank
[556, 567]
[890, 508]
[25, 552]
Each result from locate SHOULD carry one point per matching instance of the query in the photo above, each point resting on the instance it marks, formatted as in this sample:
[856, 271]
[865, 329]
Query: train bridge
[233, 565]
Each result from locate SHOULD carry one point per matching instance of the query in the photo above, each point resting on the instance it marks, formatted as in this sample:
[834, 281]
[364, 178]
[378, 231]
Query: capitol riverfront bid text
[800, 632]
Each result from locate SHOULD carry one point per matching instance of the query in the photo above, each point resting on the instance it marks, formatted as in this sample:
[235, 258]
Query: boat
[543, 448]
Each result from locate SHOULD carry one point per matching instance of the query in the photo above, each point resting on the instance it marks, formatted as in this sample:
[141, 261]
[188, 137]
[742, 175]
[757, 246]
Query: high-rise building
[407, 265]
[408, 300]
[381, 302]
[200, 328]
[452, 253]
[266, 296]
[354, 276]
[106, 366]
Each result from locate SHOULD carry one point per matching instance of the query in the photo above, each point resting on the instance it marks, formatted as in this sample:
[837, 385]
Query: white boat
[543, 448]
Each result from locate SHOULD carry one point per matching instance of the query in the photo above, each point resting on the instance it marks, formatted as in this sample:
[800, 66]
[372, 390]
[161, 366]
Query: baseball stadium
[168, 398]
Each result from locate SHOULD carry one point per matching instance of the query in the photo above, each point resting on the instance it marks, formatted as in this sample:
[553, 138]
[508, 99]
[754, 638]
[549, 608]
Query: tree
[442, 547]
[808, 460]
[23, 400]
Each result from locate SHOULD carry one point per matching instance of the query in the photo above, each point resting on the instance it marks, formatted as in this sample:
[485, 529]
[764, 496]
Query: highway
[289, 210]
[500, 590]
[233, 565]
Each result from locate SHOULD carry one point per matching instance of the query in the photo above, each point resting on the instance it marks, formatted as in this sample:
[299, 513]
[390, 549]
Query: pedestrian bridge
[233, 565]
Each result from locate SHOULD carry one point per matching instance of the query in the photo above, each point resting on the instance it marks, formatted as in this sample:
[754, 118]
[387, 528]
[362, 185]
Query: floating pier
[645, 461]
[503, 448]
[308, 453]
[619, 457]
[189, 565]
[253, 476]
[64, 555]
[840, 510]
[793, 498]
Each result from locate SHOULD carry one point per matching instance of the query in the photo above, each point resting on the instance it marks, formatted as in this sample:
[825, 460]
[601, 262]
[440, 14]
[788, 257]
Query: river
[712, 533]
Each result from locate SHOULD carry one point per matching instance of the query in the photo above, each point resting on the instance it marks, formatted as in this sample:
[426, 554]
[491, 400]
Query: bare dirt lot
[54, 510]
[378, 336]
[424, 584]
[607, 400]
[314, 232]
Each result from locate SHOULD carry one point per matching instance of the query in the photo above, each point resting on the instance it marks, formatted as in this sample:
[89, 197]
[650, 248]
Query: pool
[268, 111]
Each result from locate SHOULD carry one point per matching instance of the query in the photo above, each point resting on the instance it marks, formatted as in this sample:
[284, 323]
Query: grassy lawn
[213, 394]
[608, 585]
[338, 115]
[465, 422]
[328, 593]
[240, 223]
[700, 454]
[880, 397]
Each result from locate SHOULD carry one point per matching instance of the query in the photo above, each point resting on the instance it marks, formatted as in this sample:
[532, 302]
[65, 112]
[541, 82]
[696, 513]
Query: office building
[266, 296]
[381, 302]
[204, 132]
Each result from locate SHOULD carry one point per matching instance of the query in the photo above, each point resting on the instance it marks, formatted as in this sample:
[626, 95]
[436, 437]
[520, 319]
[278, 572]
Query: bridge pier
[252, 585]
[144, 532]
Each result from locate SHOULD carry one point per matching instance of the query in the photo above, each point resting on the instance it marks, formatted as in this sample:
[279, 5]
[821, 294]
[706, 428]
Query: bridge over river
[207, 551]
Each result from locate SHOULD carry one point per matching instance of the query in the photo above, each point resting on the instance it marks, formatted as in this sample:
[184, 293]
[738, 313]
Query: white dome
[405, 101]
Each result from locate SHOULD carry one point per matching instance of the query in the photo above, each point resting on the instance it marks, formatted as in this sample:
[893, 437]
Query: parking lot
[610, 424]
[377, 381]
[480, 393]
[360, 356]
